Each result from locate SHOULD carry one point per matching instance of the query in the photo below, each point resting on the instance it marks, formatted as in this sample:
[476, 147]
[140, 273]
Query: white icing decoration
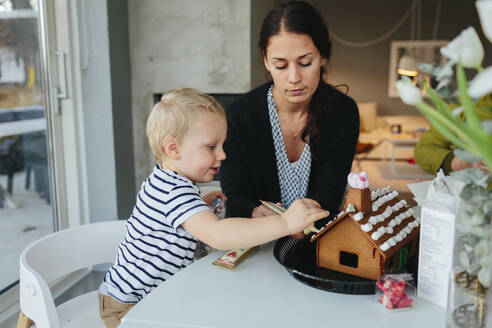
[374, 207]
[358, 216]
[340, 214]
[380, 218]
[389, 230]
[398, 219]
[358, 180]
[373, 195]
[350, 208]
[373, 220]
[366, 227]
[385, 246]
[391, 241]
[392, 223]
[398, 237]
[375, 235]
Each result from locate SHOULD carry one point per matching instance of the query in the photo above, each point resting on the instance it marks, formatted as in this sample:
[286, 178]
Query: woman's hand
[262, 210]
[209, 197]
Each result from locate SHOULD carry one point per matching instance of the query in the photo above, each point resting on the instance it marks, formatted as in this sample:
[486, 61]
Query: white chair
[56, 255]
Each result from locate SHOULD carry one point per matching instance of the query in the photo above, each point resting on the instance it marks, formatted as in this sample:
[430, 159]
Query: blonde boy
[186, 130]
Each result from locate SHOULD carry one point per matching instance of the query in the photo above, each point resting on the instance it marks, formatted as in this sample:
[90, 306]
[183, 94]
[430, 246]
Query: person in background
[186, 131]
[434, 151]
[294, 136]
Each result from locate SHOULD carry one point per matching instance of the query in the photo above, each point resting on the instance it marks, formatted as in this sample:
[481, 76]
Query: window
[349, 259]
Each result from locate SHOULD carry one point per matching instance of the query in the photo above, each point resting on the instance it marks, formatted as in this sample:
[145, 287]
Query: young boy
[186, 130]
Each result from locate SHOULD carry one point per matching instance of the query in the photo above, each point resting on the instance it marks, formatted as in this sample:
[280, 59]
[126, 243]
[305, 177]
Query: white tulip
[484, 9]
[409, 93]
[481, 84]
[465, 48]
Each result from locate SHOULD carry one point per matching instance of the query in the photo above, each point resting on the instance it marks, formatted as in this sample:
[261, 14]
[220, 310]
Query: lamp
[407, 65]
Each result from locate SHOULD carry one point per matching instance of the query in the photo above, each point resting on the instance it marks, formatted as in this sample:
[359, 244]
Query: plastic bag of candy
[395, 291]
[218, 207]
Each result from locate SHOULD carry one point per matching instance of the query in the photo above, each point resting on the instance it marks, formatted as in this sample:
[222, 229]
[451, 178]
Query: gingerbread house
[375, 231]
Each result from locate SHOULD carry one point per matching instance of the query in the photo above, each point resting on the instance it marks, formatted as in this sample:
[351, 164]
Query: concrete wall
[259, 9]
[201, 44]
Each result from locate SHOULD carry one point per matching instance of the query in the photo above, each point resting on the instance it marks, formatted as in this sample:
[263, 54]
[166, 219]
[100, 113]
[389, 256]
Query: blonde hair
[174, 114]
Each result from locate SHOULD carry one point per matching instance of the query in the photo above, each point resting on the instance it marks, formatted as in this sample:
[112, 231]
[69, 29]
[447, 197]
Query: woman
[293, 137]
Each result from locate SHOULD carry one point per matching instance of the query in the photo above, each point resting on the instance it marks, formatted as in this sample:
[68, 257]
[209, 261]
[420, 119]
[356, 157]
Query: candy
[394, 295]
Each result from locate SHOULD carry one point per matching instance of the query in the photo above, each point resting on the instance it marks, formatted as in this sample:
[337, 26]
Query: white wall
[201, 44]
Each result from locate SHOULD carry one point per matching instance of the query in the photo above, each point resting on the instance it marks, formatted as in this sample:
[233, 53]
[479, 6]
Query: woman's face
[295, 65]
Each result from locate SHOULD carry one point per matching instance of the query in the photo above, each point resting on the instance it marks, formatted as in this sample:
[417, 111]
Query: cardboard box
[438, 202]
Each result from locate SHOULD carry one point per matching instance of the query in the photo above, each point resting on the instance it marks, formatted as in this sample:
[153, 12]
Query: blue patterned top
[293, 179]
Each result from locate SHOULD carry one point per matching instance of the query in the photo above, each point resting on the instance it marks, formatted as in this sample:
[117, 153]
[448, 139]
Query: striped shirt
[155, 245]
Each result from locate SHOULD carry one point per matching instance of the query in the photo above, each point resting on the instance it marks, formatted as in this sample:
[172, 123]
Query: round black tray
[299, 259]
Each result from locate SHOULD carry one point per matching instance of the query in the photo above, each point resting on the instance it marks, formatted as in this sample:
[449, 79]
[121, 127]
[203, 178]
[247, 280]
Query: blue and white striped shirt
[155, 245]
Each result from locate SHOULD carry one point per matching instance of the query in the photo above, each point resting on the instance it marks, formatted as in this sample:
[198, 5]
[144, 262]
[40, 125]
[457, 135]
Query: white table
[261, 293]
[13, 128]
[399, 142]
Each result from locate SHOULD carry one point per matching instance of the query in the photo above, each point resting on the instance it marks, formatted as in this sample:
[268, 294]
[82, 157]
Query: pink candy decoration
[394, 295]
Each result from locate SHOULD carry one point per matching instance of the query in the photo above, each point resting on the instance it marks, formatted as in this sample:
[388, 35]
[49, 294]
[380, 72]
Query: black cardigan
[249, 172]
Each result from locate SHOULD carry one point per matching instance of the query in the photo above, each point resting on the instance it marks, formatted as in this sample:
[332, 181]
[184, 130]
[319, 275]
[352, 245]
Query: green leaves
[471, 115]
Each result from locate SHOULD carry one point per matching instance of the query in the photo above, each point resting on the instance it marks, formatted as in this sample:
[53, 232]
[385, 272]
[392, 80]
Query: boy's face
[201, 150]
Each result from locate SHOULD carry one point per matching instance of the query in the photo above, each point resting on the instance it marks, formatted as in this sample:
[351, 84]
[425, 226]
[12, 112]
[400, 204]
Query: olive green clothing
[434, 151]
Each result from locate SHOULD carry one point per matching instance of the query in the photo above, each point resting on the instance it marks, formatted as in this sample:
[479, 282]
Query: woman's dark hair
[302, 18]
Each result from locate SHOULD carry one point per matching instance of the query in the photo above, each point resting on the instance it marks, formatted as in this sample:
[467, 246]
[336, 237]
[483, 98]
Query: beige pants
[111, 311]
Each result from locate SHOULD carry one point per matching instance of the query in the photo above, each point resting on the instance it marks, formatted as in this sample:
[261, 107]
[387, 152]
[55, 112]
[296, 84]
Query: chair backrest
[7, 115]
[28, 112]
[34, 148]
[58, 254]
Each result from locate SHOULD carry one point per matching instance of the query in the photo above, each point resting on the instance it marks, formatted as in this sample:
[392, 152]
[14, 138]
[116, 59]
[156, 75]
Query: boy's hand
[209, 197]
[302, 213]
